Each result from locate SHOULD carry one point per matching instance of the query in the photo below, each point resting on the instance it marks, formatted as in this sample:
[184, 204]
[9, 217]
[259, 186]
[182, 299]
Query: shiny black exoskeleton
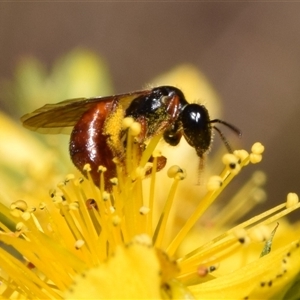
[190, 120]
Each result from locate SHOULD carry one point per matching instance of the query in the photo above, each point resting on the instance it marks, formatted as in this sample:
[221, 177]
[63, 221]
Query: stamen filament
[129, 153]
[161, 226]
[211, 255]
[30, 282]
[213, 248]
[236, 208]
[205, 203]
[131, 210]
[208, 199]
[149, 149]
[151, 196]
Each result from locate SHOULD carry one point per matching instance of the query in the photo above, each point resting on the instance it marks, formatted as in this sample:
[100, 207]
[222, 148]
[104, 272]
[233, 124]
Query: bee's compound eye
[196, 127]
[195, 118]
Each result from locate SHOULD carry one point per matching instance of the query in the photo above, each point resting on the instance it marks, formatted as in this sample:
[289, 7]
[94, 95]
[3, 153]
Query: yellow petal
[132, 273]
[261, 279]
[19, 150]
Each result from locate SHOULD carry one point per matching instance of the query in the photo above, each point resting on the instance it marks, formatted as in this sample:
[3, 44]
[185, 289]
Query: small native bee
[161, 110]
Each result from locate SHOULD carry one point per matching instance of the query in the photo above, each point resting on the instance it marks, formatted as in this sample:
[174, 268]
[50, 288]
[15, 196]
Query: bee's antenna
[223, 138]
[233, 128]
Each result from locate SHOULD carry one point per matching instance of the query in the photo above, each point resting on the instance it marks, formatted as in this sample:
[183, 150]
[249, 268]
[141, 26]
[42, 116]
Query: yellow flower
[134, 240]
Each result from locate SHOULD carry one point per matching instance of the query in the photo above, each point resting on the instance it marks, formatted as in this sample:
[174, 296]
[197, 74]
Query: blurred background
[250, 53]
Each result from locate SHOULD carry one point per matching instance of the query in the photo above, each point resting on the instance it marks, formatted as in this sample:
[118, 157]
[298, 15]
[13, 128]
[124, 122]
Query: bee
[96, 138]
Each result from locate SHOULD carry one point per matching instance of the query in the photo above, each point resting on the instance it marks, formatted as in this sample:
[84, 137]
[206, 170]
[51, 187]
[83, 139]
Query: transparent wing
[61, 117]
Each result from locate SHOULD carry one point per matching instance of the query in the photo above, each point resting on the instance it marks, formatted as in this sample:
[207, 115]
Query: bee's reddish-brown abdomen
[88, 144]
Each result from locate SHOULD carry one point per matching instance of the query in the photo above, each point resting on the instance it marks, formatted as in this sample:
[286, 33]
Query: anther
[241, 154]
[144, 210]
[156, 153]
[135, 128]
[20, 226]
[52, 193]
[105, 196]
[20, 205]
[74, 206]
[255, 158]
[116, 220]
[114, 181]
[42, 205]
[214, 183]
[260, 234]
[78, 244]
[173, 171]
[69, 177]
[87, 168]
[242, 236]
[292, 200]
[126, 122]
[143, 239]
[257, 148]
[232, 162]
[102, 169]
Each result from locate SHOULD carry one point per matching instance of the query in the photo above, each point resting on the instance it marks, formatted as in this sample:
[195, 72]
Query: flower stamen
[178, 174]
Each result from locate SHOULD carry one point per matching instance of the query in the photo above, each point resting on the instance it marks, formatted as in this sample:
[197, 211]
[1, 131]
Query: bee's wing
[61, 117]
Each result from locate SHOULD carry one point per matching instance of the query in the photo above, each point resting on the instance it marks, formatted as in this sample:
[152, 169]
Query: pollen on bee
[113, 127]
